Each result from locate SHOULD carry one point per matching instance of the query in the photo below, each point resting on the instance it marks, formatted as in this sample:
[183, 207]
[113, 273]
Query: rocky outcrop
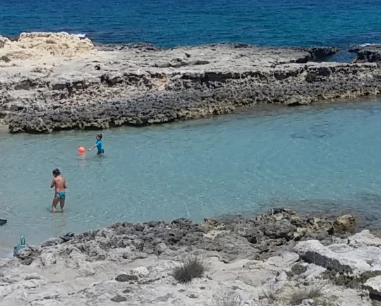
[133, 264]
[233, 238]
[142, 85]
[341, 257]
[355, 262]
[368, 54]
[38, 45]
[344, 224]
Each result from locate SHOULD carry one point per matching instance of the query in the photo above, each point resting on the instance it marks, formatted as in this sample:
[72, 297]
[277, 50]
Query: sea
[323, 158]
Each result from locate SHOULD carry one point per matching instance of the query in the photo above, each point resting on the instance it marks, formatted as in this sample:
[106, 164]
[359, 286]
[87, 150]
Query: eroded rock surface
[140, 84]
[248, 262]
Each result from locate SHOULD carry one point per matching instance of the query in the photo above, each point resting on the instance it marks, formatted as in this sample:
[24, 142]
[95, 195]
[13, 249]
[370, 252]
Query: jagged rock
[28, 254]
[51, 242]
[160, 248]
[369, 54]
[342, 257]
[119, 299]
[126, 278]
[142, 85]
[364, 238]
[373, 285]
[344, 224]
[140, 272]
[48, 259]
[235, 271]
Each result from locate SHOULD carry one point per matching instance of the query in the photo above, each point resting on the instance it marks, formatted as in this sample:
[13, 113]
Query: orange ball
[81, 150]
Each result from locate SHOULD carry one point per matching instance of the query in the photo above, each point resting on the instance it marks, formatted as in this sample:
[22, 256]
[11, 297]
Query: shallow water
[322, 157]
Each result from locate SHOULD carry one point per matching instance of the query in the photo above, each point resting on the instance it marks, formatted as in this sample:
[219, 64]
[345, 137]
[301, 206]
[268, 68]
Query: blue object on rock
[21, 246]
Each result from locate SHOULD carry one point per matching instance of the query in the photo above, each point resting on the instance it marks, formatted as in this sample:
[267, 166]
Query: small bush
[302, 294]
[191, 268]
[5, 58]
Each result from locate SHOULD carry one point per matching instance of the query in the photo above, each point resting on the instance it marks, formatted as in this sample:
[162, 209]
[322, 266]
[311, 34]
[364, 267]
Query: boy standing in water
[59, 183]
[99, 145]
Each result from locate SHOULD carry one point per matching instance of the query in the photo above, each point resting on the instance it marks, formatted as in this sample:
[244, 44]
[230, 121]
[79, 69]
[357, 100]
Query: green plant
[191, 268]
[299, 295]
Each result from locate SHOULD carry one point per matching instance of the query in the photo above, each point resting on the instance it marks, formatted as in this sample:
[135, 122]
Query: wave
[81, 35]
[367, 44]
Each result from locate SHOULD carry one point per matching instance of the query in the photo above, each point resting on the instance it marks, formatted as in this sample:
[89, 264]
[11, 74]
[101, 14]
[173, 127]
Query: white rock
[283, 261]
[243, 298]
[48, 259]
[32, 276]
[281, 277]
[364, 238]
[86, 269]
[160, 248]
[313, 272]
[373, 285]
[340, 257]
[140, 272]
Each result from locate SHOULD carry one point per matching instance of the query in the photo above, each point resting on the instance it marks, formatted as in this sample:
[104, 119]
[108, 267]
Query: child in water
[99, 145]
[59, 183]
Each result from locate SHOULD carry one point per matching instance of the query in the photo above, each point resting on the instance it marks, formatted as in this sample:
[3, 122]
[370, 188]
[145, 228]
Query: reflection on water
[323, 158]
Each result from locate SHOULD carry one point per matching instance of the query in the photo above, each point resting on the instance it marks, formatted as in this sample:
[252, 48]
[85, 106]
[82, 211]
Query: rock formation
[42, 45]
[138, 84]
[267, 260]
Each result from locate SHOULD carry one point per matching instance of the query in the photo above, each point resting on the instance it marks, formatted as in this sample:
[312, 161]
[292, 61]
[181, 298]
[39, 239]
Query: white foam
[80, 35]
[367, 44]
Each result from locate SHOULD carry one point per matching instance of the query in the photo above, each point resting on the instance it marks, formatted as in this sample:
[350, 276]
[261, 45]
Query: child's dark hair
[99, 136]
[56, 171]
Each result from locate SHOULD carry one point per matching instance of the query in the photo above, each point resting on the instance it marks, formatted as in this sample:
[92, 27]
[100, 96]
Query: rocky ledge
[367, 53]
[56, 81]
[278, 258]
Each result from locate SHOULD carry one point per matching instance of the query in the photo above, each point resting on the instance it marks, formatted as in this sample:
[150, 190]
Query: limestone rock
[374, 286]
[119, 299]
[160, 248]
[58, 81]
[340, 257]
[51, 242]
[140, 272]
[344, 224]
[364, 238]
[4, 41]
[39, 44]
[48, 259]
[126, 278]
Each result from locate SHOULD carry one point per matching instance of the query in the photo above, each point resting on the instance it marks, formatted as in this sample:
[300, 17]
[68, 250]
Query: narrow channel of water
[322, 157]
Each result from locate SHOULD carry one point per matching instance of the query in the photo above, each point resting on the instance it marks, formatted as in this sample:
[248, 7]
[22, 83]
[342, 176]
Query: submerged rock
[344, 224]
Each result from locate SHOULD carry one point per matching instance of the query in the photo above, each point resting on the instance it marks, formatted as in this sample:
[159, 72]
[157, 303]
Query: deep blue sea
[169, 23]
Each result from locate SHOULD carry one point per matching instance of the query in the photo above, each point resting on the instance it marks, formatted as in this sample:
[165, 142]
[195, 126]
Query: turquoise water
[324, 157]
[185, 22]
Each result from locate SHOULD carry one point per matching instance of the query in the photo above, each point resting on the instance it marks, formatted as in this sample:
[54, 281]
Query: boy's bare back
[59, 184]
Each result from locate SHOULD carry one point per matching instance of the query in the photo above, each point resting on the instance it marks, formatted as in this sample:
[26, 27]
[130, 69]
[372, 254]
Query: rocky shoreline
[277, 258]
[56, 81]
